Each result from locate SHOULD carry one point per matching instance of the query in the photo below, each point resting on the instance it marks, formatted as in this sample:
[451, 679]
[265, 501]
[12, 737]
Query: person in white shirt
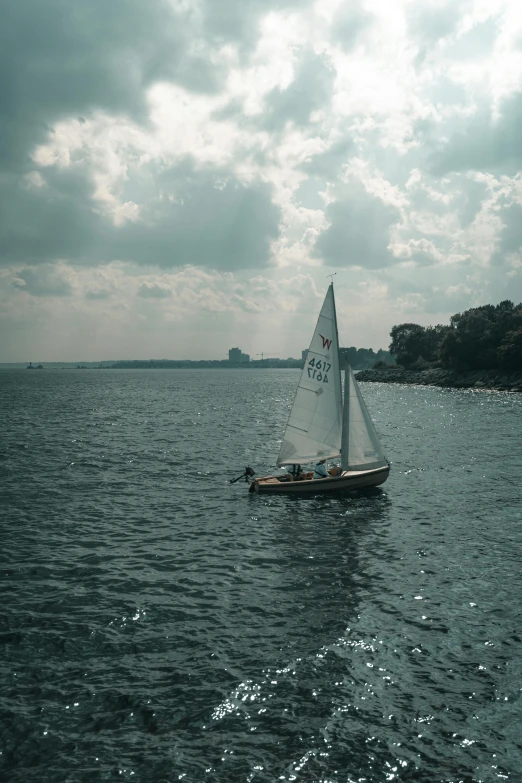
[320, 470]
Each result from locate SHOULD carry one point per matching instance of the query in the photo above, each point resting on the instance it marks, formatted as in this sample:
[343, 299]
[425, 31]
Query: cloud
[46, 280]
[204, 218]
[55, 221]
[349, 21]
[310, 90]
[154, 291]
[207, 218]
[486, 143]
[99, 295]
[329, 162]
[238, 20]
[511, 236]
[359, 231]
[430, 22]
[62, 58]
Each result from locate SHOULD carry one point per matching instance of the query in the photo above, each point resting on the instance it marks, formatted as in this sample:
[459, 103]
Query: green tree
[474, 337]
[433, 337]
[384, 356]
[510, 351]
[407, 343]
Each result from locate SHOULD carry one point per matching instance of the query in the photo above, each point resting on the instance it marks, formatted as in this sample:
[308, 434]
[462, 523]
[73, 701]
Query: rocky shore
[476, 379]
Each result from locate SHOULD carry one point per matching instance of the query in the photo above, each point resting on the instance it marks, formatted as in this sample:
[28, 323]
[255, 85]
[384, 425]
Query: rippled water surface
[159, 624]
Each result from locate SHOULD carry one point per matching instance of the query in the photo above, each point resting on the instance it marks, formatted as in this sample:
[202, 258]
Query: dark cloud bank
[62, 58]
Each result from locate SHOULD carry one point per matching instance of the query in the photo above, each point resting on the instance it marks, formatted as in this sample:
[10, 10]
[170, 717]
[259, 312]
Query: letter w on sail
[326, 343]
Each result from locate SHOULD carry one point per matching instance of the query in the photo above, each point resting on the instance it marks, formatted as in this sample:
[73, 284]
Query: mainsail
[314, 426]
[361, 449]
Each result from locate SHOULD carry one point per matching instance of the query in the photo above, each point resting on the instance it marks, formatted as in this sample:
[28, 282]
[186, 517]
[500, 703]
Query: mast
[338, 379]
[345, 434]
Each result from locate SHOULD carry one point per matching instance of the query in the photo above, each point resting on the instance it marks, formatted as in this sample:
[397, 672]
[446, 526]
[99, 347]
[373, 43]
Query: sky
[179, 177]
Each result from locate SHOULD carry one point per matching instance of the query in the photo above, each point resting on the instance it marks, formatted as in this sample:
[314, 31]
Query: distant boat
[321, 426]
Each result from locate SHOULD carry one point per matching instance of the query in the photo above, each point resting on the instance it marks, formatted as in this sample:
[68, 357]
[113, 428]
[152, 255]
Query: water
[159, 624]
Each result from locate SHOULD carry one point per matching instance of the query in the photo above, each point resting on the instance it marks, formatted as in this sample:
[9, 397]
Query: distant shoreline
[473, 379]
[261, 365]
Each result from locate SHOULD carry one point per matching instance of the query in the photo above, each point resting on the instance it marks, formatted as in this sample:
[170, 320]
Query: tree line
[363, 358]
[482, 338]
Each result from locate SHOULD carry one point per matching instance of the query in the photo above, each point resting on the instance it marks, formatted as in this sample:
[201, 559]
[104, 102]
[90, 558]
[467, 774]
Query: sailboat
[324, 425]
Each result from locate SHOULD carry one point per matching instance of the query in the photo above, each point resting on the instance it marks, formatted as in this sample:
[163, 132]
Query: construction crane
[262, 355]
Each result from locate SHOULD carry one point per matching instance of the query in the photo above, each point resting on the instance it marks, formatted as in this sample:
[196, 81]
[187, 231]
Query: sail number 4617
[318, 369]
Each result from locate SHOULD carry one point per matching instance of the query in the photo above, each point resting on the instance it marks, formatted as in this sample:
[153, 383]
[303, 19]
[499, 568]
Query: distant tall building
[236, 357]
[304, 354]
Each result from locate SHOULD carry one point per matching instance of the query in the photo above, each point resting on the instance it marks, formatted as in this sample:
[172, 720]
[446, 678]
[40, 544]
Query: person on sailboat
[293, 472]
[320, 470]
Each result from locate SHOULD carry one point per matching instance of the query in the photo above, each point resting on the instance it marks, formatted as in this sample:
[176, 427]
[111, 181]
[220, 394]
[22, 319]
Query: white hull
[348, 480]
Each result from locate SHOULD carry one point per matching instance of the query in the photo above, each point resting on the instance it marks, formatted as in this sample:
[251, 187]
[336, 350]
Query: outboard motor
[247, 475]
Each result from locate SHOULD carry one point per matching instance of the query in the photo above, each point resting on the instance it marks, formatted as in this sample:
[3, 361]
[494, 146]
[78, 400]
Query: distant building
[236, 357]
[304, 354]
